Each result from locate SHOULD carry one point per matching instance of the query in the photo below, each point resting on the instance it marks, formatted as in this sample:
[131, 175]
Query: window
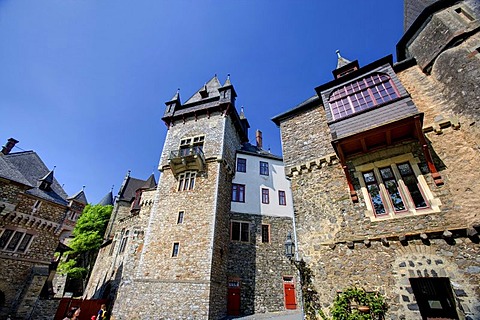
[240, 231]
[36, 206]
[362, 94]
[264, 168]
[112, 247]
[241, 165]
[191, 145]
[265, 233]
[186, 181]
[238, 192]
[396, 186]
[15, 240]
[180, 217]
[123, 244]
[265, 196]
[282, 200]
[176, 249]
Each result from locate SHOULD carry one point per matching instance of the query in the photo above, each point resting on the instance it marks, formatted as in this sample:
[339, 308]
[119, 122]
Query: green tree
[88, 236]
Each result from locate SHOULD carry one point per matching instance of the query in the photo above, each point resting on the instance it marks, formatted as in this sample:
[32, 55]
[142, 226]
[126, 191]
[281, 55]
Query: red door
[289, 290]
[233, 302]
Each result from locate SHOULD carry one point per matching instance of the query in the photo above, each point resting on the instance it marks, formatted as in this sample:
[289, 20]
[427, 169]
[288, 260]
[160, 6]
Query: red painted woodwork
[233, 302]
[290, 299]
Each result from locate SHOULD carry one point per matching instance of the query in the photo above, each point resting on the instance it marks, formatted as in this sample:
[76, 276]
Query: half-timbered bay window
[240, 231]
[186, 181]
[394, 187]
[362, 94]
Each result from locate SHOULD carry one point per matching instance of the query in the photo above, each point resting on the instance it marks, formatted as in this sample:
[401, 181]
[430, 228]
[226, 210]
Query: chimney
[258, 136]
[9, 146]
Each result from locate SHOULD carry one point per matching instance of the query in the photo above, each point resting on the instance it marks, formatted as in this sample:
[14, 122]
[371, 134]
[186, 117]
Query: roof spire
[341, 61]
[242, 114]
[227, 82]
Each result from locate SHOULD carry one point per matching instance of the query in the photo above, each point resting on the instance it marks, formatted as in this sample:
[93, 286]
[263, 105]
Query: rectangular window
[112, 247]
[265, 233]
[238, 192]
[5, 238]
[282, 200]
[176, 248]
[241, 165]
[240, 231]
[12, 240]
[394, 186]
[123, 244]
[180, 217]
[411, 183]
[186, 181]
[264, 168]
[265, 196]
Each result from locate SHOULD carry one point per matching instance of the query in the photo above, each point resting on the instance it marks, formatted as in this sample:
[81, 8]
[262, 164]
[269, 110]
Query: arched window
[362, 94]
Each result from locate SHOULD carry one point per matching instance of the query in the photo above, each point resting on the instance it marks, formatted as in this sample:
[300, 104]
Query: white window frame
[433, 204]
[183, 183]
[24, 233]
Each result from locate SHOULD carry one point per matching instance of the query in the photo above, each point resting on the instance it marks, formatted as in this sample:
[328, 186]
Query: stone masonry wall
[326, 217]
[260, 267]
[305, 136]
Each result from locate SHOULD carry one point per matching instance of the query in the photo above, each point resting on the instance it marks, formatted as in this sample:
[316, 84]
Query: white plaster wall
[254, 182]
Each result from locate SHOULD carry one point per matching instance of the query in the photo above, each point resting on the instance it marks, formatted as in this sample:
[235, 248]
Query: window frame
[282, 198]
[241, 165]
[264, 168]
[238, 192]
[359, 95]
[265, 196]
[181, 217]
[265, 232]
[241, 231]
[124, 241]
[432, 204]
[186, 181]
[18, 243]
[175, 250]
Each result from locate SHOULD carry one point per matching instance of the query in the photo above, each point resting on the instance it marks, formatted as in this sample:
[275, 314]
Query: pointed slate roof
[131, 185]
[212, 89]
[48, 178]
[27, 168]
[341, 61]
[79, 197]
[107, 200]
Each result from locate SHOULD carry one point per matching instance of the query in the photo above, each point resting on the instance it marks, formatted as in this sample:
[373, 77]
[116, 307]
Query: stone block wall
[260, 267]
[45, 308]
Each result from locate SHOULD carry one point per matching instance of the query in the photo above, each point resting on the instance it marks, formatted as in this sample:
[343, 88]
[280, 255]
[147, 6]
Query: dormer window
[362, 94]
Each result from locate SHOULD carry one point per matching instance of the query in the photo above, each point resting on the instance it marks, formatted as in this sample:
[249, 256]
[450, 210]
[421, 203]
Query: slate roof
[212, 88]
[79, 197]
[107, 200]
[412, 9]
[28, 169]
[293, 110]
[249, 148]
[132, 185]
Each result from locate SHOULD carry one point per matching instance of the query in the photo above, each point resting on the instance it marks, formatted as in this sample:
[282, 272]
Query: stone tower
[182, 267]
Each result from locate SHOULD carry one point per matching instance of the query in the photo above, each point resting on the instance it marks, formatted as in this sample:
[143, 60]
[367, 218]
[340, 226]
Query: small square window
[282, 200]
[241, 165]
[264, 168]
[180, 217]
[240, 231]
[265, 196]
[175, 250]
[265, 233]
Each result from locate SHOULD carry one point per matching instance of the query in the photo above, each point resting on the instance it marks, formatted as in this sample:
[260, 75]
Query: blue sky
[83, 82]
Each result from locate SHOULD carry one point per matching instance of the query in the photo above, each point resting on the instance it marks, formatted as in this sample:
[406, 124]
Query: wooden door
[434, 297]
[233, 302]
[289, 292]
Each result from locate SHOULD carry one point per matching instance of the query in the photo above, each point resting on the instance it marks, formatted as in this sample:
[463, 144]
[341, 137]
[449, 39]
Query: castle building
[382, 161]
[36, 216]
[208, 240]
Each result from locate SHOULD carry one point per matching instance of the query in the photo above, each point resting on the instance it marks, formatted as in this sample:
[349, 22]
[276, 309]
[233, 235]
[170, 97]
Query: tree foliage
[88, 236]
